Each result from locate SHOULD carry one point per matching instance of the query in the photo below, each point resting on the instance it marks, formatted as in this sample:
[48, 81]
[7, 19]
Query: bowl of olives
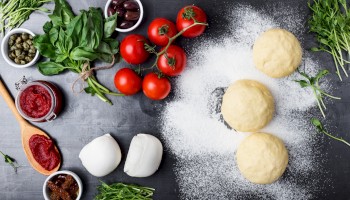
[18, 49]
[130, 13]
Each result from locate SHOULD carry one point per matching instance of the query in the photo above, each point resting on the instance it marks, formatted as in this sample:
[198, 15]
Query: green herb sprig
[10, 161]
[313, 83]
[121, 191]
[73, 42]
[317, 123]
[14, 12]
[330, 21]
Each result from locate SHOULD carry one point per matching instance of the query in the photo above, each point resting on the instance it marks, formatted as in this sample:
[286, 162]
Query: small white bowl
[135, 25]
[5, 49]
[46, 192]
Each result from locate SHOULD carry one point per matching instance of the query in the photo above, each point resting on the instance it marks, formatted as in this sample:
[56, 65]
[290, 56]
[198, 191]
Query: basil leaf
[113, 43]
[83, 53]
[43, 45]
[110, 25]
[90, 90]
[96, 20]
[50, 68]
[62, 13]
[47, 27]
[53, 33]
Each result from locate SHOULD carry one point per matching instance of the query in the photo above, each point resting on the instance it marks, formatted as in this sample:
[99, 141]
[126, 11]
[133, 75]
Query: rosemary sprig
[121, 191]
[321, 129]
[10, 161]
[313, 83]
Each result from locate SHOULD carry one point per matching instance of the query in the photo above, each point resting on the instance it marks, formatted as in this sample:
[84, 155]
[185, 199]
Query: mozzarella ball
[144, 156]
[101, 156]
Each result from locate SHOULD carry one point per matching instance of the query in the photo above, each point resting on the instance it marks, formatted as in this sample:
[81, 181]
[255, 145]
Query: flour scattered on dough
[205, 147]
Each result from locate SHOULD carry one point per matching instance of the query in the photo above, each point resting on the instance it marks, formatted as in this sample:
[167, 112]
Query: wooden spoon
[27, 130]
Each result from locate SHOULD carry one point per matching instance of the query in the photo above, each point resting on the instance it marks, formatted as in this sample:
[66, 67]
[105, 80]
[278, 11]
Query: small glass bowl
[56, 101]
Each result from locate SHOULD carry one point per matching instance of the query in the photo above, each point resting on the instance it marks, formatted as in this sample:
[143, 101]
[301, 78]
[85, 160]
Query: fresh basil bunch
[73, 42]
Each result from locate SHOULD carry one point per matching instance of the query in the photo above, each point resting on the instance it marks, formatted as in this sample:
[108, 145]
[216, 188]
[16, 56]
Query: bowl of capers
[18, 49]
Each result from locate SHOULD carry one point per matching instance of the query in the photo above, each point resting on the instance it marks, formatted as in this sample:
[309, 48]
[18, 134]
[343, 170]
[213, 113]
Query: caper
[27, 58]
[10, 56]
[31, 55]
[30, 42]
[21, 57]
[32, 51]
[11, 42]
[13, 48]
[13, 55]
[18, 40]
[17, 60]
[23, 62]
[13, 37]
[25, 36]
[18, 52]
[19, 46]
[25, 45]
[30, 37]
[24, 53]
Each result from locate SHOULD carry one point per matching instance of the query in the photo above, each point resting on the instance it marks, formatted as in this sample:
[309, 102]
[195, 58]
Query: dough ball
[101, 156]
[277, 53]
[262, 158]
[247, 106]
[144, 156]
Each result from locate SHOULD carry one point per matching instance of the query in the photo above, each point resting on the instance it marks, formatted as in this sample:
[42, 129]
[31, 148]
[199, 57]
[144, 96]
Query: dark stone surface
[85, 117]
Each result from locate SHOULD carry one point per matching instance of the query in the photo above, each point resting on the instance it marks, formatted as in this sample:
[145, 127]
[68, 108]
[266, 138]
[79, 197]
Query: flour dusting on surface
[204, 145]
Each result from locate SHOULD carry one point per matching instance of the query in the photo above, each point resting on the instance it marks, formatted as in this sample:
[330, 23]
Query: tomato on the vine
[155, 87]
[160, 30]
[132, 49]
[185, 19]
[127, 81]
[173, 61]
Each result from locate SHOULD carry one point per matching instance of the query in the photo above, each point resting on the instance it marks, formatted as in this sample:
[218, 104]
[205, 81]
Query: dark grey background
[85, 118]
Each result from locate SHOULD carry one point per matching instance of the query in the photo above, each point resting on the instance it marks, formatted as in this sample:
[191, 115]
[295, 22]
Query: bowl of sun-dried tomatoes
[65, 185]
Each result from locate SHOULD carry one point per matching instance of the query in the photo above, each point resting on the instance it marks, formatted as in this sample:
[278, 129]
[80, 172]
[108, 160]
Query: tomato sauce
[35, 101]
[44, 151]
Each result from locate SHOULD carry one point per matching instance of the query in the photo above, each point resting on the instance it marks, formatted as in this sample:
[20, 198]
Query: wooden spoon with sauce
[27, 130]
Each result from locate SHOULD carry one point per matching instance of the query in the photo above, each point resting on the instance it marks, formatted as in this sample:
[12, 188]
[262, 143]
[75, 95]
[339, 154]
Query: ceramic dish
[5, 49]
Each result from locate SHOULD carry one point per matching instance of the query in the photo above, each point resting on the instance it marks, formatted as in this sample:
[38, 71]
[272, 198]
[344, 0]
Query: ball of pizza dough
[247, 106]
[262, 158]
[277, 53]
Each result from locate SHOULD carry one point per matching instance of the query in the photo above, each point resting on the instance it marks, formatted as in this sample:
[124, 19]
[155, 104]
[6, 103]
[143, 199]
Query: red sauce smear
[44, 151]
[35, 101]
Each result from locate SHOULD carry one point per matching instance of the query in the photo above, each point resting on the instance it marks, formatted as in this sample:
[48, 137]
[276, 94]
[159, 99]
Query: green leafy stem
[317, 123]
[313, 83]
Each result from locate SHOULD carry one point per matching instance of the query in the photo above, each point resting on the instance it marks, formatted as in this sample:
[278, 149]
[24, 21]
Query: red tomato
[160, 30]
[173, 62]
[132, 49]
[154, 87]
[127, 81]
[184, 19]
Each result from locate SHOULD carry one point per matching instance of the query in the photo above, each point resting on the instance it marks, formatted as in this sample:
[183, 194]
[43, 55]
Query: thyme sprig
[121, 191]
[10, 161]
[313, 83]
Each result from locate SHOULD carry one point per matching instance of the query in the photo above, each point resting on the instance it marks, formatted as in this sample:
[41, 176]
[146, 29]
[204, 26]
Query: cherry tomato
[160, 30]
[127, 81]
[155, 87]
[132, 49]
[184, 19]
[173, 62]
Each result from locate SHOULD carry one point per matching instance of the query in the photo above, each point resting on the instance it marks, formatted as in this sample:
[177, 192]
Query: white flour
[205, 147]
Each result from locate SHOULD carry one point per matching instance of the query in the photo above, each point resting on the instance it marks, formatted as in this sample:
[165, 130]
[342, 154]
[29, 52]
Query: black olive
[132, 15]
[120, 10]
[117, 2]
[131, 5]
[126, 24]
[110, 11]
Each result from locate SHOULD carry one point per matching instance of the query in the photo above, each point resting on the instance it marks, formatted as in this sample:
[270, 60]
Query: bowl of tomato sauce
[39, 101]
